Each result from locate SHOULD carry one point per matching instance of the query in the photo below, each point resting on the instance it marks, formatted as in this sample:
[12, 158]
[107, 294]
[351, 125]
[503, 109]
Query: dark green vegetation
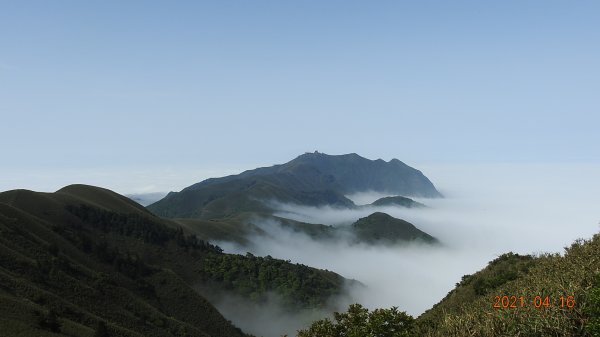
[359, 322]
[84, 261]
[397, 201]
[312, 179]
[382, 228]
[468, 309]
[299, 286]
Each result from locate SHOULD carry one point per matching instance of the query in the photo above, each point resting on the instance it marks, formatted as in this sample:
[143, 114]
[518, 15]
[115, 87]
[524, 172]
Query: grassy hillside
[64, 279]
[85, 261]
[569, 282]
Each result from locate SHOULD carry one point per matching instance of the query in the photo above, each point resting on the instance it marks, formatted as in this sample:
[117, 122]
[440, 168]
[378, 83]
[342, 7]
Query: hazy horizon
[150, 180]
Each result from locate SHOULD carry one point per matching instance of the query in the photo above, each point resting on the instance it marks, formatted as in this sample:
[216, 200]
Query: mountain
[85, 261]
[383, 228]
[397, 201]
[312, 179]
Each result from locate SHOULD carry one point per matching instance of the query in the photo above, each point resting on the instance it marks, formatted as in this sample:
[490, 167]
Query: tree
[359, 322]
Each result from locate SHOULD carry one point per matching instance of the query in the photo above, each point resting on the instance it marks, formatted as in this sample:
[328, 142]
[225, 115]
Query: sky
[156, 95]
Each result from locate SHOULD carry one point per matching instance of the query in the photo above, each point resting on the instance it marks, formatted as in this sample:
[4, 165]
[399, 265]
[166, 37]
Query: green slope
[383, 228]
[468, 309]
[84, 259]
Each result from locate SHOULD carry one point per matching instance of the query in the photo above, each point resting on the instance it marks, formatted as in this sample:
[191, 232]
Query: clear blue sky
[209, 84]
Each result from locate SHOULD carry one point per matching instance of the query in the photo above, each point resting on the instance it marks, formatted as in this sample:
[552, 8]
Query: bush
[359, 322]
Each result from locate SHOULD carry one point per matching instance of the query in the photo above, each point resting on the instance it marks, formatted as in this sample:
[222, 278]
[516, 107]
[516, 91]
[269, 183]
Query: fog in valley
[487, 210]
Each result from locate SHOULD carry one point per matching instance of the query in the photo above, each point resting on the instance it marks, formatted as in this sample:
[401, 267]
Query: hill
[86, 261]
[397, 201]
[383, 228]
[312, 179]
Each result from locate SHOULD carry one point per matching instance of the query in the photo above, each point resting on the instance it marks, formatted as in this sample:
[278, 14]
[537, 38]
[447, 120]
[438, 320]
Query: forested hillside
[71, 265]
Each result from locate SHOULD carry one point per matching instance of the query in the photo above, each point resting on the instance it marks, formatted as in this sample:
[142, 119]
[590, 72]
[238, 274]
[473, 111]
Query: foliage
[255, 277]
[359, 322]
[592, 309]
[137, 226]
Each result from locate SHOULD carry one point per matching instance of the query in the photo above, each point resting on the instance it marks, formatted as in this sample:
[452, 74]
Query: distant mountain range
[230, 208]
[313, 179]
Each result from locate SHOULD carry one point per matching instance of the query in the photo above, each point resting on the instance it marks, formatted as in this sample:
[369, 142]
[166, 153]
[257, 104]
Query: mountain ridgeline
[312, 179]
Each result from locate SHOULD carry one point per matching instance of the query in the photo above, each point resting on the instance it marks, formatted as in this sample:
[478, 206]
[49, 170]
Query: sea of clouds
[487, 210]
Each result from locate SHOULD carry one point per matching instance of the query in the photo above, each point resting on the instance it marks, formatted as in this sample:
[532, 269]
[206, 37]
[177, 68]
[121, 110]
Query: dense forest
[255, 277]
